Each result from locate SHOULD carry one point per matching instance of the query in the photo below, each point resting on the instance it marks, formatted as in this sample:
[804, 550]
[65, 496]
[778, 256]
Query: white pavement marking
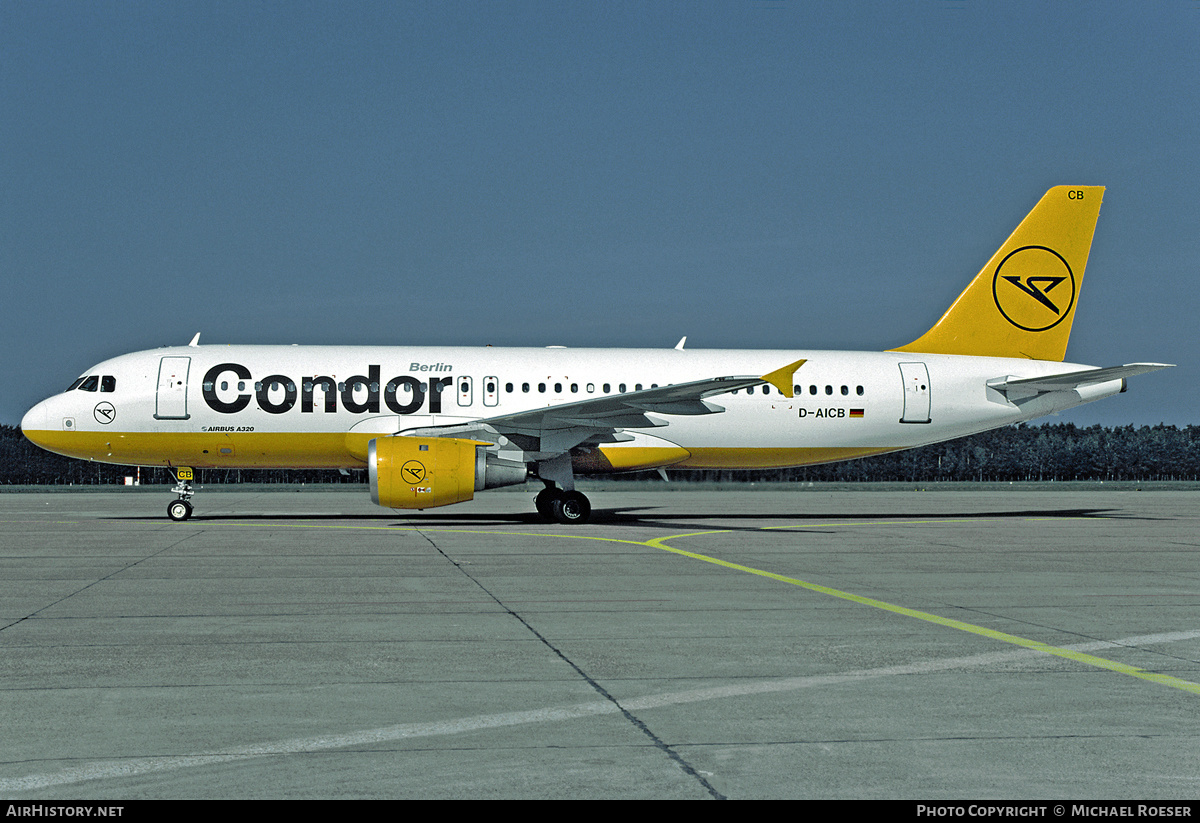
[113, 769]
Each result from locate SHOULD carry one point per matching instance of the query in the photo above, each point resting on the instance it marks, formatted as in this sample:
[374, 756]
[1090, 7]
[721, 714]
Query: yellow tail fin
[1023, 302]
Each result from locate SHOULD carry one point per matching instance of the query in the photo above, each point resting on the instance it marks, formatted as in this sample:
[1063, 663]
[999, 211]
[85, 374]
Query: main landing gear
[559, 500]
[181, 509]
[563, 506]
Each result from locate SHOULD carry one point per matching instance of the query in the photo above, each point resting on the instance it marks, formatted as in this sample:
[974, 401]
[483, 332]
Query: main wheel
[544, 502]
[572, 507]
[179, 510]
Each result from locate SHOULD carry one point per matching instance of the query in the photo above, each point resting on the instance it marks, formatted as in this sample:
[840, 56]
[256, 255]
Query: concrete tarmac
[700, 644]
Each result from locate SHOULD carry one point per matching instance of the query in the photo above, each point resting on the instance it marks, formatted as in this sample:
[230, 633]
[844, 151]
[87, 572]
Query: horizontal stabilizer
[1019, 390]
[1075, 379]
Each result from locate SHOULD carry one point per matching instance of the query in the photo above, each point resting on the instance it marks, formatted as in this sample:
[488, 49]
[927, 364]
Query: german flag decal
[856, 412]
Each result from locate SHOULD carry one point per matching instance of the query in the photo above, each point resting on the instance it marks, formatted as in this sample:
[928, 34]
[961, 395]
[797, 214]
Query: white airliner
[435, 425]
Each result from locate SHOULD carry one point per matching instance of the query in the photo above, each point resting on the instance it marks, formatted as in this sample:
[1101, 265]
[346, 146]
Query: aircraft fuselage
[318, 406]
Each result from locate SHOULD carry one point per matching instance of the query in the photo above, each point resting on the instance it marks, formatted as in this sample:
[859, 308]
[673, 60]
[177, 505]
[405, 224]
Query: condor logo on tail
[1023, 284]
[1038, 294]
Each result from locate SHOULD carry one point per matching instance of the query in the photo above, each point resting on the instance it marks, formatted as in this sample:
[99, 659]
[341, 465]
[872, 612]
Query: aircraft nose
[35, 418]
[35, 421]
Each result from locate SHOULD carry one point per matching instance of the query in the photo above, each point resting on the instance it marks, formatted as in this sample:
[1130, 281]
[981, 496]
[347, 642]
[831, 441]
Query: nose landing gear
[181, 509]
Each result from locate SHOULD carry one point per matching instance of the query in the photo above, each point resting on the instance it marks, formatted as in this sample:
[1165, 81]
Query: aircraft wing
[552, 430]
[1073, 380]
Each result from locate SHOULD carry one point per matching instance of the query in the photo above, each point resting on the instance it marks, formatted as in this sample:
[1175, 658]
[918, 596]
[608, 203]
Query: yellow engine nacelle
[425, 472]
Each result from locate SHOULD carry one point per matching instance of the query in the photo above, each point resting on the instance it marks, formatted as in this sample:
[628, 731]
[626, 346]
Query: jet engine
[425, 472]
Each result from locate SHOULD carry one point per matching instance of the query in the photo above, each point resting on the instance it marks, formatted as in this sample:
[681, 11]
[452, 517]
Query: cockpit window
[90, 383]
[108, 383]
[75, 385]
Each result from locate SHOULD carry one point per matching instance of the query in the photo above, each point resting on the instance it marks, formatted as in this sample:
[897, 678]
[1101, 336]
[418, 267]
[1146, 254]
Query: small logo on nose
[105, 412]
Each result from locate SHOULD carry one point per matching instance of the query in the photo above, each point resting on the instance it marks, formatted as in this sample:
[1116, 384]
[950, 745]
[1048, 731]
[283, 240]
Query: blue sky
[749, 174]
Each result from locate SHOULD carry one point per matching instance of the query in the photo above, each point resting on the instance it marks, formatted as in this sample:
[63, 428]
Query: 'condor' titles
[228, 389]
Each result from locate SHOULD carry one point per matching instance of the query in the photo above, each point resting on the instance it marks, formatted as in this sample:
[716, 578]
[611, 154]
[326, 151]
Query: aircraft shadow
[642, 516]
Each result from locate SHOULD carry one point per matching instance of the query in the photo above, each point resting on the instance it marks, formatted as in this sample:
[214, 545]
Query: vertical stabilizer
[1023, 302]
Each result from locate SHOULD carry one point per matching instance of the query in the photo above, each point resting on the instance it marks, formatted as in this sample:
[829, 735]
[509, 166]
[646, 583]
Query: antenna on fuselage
[195, 341]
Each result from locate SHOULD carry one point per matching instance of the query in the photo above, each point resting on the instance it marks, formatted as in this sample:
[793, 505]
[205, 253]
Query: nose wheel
[181, 509]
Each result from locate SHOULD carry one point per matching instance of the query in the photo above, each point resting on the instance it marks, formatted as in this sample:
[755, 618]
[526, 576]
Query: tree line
[1051, 451]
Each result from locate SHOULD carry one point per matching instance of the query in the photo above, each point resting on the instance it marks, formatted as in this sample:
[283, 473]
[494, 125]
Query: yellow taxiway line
[661, 544]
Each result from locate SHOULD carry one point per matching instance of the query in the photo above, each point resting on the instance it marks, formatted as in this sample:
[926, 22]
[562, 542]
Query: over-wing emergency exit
[433, 426]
